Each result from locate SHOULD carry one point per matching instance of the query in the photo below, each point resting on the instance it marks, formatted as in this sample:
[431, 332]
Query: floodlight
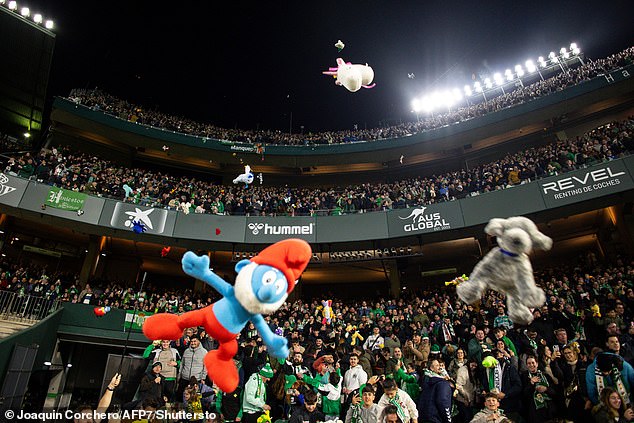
[437, 99]
[37, 18]
[416, 105]
[49, 24]
[530, 66]
[25, 11]
[447, 99]
[488, 83]
[574, 49]
[509, 75]
[573, 46]
[13, 5]
[467, 91]
[457, 95]
[498, 78]
[541, 61]
[47, 363]
[553, 57]
[564, 52]
[478, 87]
[519, 71]
[427, 104]
[27, 135]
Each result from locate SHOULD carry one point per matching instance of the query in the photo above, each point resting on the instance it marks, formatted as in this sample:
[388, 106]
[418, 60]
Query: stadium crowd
[425, 357]
[107, 103]
[92, 175]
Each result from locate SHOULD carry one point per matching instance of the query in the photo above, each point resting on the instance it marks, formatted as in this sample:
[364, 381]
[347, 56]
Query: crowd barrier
[25, 308]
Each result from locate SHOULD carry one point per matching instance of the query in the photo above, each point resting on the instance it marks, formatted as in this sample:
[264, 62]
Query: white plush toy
[507, 268]
[352, 77]
[246, 177]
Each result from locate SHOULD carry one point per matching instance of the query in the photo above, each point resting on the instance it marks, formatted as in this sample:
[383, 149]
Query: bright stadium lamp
[497, 77]
[427, 104]
[37, 18]
[541, 61]
[467, 91]
[564, 52]
[574, 49]
[477, 87]
[530, 66]
[488, 83]
[416, 106]
[49, 24]
[553, 57]
[25, 11]
[13, 5]
[457, 95]
[519, 71]
[509, 75]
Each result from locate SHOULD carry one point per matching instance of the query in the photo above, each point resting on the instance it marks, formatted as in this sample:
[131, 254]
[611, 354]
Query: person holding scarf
[362, 408]
[575, 398]
[539, 393]
[405, 406]
[254, 399]
[609, 370]
[502, 379]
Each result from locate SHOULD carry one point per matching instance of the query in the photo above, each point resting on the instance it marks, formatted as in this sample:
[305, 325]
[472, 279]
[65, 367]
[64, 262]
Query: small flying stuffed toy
[340, 45]
[326, 312]
[246, 177]
[457, 280]
[138, 227]
[507, 268]
[352, 77]
[262, 285]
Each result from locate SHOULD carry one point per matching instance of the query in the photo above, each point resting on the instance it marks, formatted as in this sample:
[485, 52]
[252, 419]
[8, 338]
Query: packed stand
[95, 176]
[98, 100]
[425, 357]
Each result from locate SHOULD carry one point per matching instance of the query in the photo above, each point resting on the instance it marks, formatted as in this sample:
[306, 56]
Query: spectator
[362, 408]
[405, 406]
[169, 359]
[192, 363]
[610, 408]
[254, 402]
[434, 404]
[491, 412]
[608, 370]
[309, 412]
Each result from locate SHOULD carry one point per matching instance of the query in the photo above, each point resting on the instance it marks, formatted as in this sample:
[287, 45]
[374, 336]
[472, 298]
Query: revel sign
[586, 184]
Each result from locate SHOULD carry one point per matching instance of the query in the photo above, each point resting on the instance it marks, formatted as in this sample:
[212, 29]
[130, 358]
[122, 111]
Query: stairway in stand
[8, 327]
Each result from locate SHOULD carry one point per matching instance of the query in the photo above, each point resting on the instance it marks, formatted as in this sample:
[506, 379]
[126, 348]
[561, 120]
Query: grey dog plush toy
[507, 269]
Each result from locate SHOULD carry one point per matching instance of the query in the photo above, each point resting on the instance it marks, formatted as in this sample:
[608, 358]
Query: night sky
[250, 64]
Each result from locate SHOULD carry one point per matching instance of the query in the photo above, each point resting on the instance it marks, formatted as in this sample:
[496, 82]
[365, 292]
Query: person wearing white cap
[254, 400]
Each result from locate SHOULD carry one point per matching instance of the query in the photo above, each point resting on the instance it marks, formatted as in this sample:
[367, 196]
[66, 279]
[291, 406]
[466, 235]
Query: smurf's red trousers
[219, 363]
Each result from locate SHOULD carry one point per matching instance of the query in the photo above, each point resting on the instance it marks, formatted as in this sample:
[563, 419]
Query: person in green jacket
[408, 381]
[254, 399]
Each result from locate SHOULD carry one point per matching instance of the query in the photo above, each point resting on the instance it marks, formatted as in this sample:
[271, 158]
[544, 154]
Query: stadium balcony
[449, 146]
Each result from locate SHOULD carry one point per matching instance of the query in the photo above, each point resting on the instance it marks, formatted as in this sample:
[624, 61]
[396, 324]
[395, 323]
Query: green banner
[64, 199]
[139, 318]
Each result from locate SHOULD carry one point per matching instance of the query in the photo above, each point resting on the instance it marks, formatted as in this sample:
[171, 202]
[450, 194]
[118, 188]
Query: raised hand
[195, 266]
[278, 346]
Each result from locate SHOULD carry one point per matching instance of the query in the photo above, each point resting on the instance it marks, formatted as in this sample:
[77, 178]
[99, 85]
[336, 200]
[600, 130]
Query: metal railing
[25, 308]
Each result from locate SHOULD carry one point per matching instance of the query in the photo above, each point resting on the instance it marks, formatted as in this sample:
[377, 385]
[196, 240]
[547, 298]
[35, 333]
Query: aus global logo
[421, 221]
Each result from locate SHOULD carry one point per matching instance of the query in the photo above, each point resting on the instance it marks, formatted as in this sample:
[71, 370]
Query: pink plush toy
[352, 77]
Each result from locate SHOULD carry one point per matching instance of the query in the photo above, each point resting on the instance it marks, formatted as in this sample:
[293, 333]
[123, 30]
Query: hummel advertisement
[37, 196]
[425, 219]
[11, 189]
[155, 221]
[262, 230]
[584, 184]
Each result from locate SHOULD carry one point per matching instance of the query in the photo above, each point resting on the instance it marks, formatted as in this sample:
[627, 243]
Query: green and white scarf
[495, 378]
[539, 398]
[400, 412]
[617, 379]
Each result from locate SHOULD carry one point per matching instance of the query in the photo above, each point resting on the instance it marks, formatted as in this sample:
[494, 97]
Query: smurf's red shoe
[162, 326]
[222, 372]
